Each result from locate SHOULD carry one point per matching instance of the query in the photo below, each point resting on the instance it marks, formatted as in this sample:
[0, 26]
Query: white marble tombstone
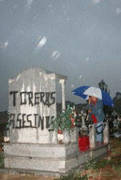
[32, 105]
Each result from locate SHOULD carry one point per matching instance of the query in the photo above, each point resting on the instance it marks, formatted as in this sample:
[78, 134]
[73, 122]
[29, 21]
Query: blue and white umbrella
[86, 91]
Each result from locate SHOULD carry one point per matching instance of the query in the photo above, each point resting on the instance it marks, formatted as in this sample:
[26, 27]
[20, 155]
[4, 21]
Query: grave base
[47, 158]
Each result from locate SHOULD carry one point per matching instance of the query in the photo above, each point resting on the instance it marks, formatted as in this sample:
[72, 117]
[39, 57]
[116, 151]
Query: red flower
[60, 131]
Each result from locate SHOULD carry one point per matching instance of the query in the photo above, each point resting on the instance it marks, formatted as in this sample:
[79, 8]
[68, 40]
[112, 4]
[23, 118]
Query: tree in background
[117, 103]
[103, 86]
[117, 99]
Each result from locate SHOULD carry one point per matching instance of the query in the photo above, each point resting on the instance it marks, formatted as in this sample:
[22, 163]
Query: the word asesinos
[18, 121]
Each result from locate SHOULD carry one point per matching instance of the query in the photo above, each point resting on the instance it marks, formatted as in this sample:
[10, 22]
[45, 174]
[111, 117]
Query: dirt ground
[109, 171]
[111, 164]
[23, 177]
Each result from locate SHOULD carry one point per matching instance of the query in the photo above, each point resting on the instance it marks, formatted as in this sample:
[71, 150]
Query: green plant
[97, 164]
[90, 164]
[63, 121]
[73, 176]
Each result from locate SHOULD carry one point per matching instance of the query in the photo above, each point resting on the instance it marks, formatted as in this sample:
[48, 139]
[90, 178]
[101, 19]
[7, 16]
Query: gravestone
[32, 106]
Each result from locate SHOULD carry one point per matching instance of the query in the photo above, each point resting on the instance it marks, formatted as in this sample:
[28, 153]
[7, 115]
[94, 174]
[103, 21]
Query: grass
[74, 176]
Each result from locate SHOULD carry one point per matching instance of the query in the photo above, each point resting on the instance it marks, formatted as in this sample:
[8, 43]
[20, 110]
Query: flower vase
[66, 137]
[54, 137]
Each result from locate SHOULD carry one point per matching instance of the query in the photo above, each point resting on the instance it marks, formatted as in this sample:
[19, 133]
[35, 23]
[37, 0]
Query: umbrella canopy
[85, 91]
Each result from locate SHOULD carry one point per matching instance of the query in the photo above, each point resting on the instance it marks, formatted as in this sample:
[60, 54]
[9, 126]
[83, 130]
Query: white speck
[42, 42]
[18, 77]
[87, 59]
[55, 55]
[28, 88]
[118, 11]
[52, 77]
[61, 81]
[45, 77]
[80, 76]
[96, 1]
[4, 45]
[34, 88]
[72, 85]
[40, 73]
[11, 81]
[29, 3]
[23, 87]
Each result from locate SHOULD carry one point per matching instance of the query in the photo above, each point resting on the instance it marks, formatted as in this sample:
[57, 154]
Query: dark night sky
[77, 38]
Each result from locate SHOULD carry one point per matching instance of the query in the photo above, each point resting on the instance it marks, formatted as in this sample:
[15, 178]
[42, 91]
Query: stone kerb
[32, 105]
